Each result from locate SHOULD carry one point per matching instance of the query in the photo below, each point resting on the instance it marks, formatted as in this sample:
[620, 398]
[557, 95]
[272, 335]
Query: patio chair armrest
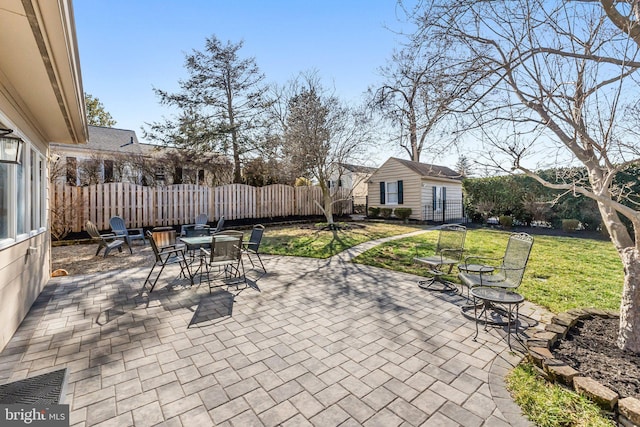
[174, 250]
[205, 252]
[109, 236]
[169, 248]
[137, 230]
[502, 268]
[480, 259]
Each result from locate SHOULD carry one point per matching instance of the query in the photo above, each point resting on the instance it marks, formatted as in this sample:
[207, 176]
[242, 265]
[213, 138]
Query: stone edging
[626, 410]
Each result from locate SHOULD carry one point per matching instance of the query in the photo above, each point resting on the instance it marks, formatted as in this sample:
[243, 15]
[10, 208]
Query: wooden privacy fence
[180, 204]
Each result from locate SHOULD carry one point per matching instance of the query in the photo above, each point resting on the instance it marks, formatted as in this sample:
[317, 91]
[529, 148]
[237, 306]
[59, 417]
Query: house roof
[113, 140]
[427, 170]
[110, 141]
[357, 168]
[41, 86]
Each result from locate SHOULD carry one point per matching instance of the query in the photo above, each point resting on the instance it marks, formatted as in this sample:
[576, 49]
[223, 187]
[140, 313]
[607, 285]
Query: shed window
[391, 193]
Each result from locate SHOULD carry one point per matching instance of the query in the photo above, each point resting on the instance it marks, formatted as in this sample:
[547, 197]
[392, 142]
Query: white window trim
[12, 208]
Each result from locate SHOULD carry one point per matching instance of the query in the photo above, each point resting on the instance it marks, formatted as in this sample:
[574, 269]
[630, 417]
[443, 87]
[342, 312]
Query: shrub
[403, 213]
[506, 221]
[386, 212]
[570, 225]
[374, 212]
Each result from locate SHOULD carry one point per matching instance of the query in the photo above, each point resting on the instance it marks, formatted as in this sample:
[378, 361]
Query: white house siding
[392, 170]
[358, 181]
[24, 271]
[41, 100]
[24, 254]
[453, 194]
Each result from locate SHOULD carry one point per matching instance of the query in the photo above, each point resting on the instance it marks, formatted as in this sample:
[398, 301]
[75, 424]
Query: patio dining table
[196, 242]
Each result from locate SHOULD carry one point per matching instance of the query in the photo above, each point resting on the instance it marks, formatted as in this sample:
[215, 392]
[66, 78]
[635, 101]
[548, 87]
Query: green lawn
[562, 273]
[316, 243]
[550, 405]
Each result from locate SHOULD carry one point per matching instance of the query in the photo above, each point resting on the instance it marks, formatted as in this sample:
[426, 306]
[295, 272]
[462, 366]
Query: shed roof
[428, 170]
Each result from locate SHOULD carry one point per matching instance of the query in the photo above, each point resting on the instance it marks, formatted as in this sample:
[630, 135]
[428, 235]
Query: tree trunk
[237, 171]
[629, 333]
[328, 205]
[413, 136]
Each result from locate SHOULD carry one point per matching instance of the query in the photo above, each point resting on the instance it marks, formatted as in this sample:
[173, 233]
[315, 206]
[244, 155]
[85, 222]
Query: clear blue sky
[128, 47]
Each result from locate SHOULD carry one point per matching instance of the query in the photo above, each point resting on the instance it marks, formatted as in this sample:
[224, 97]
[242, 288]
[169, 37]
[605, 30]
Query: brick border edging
[625, 410]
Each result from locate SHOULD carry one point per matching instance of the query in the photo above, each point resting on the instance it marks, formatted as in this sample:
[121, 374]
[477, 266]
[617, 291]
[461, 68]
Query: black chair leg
[261, 264]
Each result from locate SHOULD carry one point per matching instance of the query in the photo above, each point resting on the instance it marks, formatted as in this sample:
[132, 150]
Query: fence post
[444, 211]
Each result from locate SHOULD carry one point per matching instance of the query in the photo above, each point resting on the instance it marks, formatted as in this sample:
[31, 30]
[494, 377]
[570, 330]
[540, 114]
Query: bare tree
[558, 79]
[320, 135]
[424, 83]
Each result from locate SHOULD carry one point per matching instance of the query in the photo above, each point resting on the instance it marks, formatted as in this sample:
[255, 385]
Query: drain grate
[45, 389]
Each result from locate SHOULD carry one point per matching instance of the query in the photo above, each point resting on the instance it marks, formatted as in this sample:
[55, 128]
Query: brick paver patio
[313, 342]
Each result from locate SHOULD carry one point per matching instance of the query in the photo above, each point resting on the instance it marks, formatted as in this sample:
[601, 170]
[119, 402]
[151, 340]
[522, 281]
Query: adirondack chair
[120, 229]
[107, 241]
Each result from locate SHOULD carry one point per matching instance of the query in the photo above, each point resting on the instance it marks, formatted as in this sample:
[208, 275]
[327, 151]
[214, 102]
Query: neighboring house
[434, 193]
[106, 157]
[116, 155]
[353, 178]
[41, 100]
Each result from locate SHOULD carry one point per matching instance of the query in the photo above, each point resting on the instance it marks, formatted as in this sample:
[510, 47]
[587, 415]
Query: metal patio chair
[107, 241]
[166, 252]
[506, 272]
[252, 247]
[225, 255]
[119, 227]
[448, 253]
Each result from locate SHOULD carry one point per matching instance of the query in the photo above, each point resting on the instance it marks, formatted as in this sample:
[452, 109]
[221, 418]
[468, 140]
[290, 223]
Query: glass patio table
[490, 297]
[194, 243]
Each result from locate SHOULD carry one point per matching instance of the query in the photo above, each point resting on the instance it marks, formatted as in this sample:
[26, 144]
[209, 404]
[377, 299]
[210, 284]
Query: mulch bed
[590, 348]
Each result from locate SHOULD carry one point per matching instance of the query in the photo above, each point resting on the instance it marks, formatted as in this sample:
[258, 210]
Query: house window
[391, 193]
[22, 197]
[5, 202]
[21, 193]
[36, 184]
[108, 171]
[72, 171]
[35, 190]
[200, 177]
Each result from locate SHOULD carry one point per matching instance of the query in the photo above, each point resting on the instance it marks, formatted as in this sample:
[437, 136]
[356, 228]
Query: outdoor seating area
[384, 290]
[300, 344]
[216, 259]
[491, 283]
